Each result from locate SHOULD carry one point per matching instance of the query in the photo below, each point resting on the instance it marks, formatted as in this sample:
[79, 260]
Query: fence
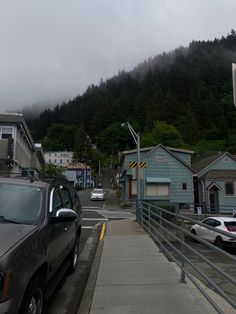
[171, 232]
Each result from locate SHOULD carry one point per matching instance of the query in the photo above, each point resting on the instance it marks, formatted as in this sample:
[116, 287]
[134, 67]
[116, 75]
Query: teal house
[215, 183]
[166, 176]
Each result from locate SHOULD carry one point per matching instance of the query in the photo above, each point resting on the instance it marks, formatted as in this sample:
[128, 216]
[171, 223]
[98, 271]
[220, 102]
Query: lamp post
[234, 82]
[136, 138]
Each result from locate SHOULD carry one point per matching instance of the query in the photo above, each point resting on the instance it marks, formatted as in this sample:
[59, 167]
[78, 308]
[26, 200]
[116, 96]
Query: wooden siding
[221, 164]
[186, 157]
[226, 203]
[174, 169]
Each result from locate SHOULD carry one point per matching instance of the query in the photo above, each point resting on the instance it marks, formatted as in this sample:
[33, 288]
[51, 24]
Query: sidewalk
[134, 277]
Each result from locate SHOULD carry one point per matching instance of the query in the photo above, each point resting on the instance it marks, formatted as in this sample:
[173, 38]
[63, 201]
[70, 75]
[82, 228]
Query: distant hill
[189, 87]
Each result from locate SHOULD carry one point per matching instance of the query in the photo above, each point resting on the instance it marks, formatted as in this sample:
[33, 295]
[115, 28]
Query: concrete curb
[87, 298]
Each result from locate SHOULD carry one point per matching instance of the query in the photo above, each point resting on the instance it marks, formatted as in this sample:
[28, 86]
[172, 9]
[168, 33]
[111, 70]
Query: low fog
[51, 51]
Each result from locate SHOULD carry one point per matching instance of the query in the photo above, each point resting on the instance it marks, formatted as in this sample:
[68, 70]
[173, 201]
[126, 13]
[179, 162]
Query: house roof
[152, 148]
[172, 153]
[205, 162]
[221, 175]
[147, 149]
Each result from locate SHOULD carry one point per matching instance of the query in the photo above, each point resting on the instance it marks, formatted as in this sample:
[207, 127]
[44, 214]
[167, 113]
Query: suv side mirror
[63, 215]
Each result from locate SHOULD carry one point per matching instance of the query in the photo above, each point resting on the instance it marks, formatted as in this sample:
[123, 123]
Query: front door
[214, 199]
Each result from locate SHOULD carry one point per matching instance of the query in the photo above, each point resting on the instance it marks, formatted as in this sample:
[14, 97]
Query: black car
[40, 228]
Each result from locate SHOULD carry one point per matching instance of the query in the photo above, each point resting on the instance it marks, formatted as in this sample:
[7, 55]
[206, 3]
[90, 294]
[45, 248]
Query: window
[212, 222]
[184, 186]
[66, 198]
[226, 159]
[158, 189]
[21, 203]
[160, 158]
[229, 188]
[56, 201]
[75, 199]
[55, 161]
[6, 132]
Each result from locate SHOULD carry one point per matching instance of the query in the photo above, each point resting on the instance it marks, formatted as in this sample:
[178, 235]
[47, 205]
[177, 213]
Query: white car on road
[227, 224]
[97, 194]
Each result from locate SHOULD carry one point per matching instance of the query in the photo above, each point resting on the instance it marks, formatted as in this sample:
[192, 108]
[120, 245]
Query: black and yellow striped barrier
[134, 164]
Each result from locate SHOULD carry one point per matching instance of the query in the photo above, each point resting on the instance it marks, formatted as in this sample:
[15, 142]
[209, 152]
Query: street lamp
[234, 82]
[136, 138]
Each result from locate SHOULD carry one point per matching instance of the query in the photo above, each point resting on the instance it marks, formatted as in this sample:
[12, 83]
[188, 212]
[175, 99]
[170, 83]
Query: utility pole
[136, 138]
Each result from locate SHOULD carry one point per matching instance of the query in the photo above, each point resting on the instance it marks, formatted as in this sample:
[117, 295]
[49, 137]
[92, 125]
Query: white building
[17, 149]
[59, 158]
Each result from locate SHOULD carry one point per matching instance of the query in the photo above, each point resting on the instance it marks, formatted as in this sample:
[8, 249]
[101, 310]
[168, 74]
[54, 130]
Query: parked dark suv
[39, 238]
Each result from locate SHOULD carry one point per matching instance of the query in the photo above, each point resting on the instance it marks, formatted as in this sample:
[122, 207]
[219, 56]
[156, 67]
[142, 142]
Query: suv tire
[33, 301]
[74, 256]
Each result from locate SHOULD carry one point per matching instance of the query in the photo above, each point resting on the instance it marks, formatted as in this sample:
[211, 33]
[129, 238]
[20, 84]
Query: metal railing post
[161, 232]
[141, 215]
[149, 220]
[182, 276]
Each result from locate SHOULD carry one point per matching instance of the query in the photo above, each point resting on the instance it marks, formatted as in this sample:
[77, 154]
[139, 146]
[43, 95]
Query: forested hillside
[190, 89]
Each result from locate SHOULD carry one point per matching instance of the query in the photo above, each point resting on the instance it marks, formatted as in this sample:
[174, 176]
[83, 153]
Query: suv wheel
[33, 300]
[74, 256]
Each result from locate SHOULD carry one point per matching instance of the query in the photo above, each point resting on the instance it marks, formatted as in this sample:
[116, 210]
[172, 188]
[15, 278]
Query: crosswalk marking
[90, 207]
[94, 219]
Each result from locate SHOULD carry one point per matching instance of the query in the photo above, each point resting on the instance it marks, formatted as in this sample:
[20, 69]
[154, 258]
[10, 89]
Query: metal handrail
[162, 230]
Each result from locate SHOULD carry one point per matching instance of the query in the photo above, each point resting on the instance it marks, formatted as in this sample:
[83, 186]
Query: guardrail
[171, 232]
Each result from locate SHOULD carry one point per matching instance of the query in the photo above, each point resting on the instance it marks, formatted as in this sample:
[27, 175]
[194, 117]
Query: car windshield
[97, 191]
[20, 203]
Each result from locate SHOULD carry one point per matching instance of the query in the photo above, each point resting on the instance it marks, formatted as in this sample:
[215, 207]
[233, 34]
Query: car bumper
[231, 244]
[97, 198]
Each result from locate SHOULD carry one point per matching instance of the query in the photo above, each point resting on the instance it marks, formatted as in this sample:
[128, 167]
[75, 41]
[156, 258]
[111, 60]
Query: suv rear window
[20, 203]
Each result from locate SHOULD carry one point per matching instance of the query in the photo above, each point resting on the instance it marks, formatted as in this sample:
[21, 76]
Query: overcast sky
[52, 50]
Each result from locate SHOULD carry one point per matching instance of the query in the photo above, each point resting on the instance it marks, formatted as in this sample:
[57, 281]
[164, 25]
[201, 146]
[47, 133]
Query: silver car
[97, 194]
[227, 224]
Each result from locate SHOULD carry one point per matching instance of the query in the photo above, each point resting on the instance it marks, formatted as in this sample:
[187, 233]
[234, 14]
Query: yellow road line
[102, 234]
